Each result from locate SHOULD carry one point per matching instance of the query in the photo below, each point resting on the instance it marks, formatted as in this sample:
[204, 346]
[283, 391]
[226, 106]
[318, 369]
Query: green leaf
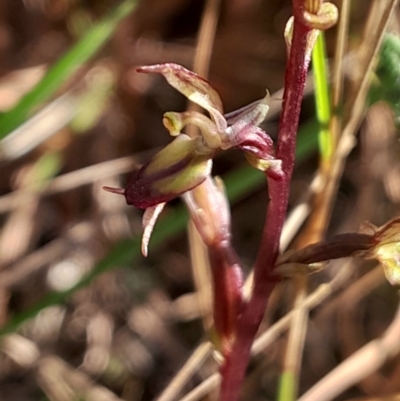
[45, 168]
[92, 103]
[65, 68]
[386, 85]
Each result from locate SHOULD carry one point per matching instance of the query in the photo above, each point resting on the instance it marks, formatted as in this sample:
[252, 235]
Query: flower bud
[174, 170]
[209, 210]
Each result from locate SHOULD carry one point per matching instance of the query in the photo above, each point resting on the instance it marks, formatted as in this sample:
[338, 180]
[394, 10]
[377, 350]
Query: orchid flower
[386, 249]
[186, 162]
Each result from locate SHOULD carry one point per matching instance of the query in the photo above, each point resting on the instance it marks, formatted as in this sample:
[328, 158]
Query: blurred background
[84, 316]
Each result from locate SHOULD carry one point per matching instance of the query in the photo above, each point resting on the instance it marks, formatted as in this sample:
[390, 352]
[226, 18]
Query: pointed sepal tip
[119, 191]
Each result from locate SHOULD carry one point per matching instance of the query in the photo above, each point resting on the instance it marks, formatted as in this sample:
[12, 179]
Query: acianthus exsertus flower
[386, 249]
[186, 162]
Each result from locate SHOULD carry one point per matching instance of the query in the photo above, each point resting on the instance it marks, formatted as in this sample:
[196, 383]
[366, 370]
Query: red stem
[228, 295]
[234, 368]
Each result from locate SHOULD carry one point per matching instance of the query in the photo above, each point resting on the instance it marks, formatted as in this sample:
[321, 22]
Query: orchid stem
[235, 364]
[289, 382]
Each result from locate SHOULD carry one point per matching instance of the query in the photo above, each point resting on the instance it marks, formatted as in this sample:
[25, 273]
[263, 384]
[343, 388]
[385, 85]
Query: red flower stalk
[300, 37]
[209, 210]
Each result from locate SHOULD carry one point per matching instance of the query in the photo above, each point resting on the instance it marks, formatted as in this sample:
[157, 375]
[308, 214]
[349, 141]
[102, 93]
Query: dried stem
[324, 201]
[201, 271]
[288, 388]
[355, 368]
[316, 227]
[205, 38]
[68, 181]
[201, 353]
[201, 65]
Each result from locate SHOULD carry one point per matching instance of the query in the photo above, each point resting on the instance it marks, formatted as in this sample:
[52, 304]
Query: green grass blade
[287, 386]
[386, 83]
[322, 97]
[65, 68]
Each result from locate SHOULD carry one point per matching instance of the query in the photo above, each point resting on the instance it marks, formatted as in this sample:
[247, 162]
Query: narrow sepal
[148, 221]
[119, 191]
[253, 114]
[195, 88]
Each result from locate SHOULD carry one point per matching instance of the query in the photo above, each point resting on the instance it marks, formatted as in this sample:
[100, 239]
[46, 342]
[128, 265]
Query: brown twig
[366, 60]
[68, 181]
[362, 363]
[199, 256]
[202, 352]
